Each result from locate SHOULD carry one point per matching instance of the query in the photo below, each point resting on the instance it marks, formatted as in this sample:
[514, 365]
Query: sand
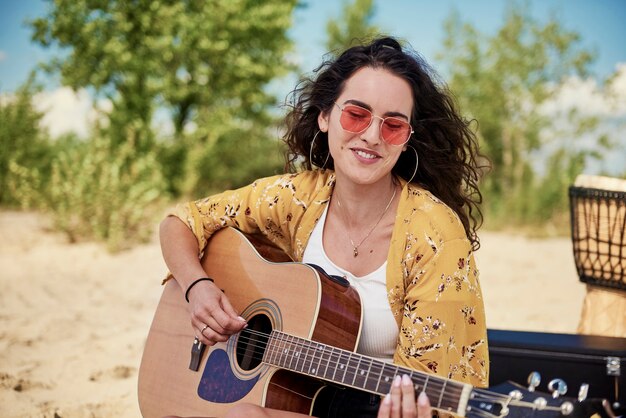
[73, 318]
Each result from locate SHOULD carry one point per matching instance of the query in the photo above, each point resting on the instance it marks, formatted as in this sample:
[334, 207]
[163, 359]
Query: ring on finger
[203, 328]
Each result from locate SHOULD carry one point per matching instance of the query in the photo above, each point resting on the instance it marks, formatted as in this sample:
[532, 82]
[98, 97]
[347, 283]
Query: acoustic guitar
[303, 329]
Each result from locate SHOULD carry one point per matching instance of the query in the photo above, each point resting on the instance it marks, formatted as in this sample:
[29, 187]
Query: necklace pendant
[355, 251]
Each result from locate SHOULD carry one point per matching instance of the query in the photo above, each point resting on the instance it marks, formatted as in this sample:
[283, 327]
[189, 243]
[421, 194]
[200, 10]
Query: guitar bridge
[196, 354]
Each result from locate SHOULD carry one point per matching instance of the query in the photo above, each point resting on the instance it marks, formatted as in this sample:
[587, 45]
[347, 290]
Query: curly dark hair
[447, 145]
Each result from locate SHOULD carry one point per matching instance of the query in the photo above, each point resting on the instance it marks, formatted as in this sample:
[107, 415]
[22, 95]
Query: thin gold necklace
[355, 247]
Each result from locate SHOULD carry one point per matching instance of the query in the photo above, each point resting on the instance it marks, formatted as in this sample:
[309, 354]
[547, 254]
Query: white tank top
[379, 331]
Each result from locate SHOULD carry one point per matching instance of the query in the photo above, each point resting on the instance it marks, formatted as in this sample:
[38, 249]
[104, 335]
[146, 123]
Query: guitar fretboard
[355, 370]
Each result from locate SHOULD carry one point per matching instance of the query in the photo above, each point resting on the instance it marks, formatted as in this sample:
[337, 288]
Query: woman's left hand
[400, 402]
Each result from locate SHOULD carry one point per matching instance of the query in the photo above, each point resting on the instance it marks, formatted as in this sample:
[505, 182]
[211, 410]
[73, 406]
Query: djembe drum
[598, 222]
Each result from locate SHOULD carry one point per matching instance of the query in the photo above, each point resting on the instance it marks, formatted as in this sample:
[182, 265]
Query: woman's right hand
[212, 315]
[401, 402]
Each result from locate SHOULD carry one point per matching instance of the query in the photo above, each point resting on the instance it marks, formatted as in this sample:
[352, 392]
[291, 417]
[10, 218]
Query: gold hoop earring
[311, 152]
[417, 162]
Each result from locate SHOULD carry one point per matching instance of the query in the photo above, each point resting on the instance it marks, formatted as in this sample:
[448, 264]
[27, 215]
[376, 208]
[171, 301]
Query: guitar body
[271, 293]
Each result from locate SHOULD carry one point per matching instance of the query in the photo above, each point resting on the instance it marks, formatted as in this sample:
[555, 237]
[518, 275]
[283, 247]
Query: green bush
[22, 144]
[235, 159]
[99, 192]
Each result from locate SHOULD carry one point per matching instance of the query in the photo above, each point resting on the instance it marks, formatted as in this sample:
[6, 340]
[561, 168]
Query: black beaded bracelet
[194, 283]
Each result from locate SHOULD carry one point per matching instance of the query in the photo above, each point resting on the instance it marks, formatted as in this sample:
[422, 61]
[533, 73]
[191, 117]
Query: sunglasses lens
[355, 119]
[395, 131]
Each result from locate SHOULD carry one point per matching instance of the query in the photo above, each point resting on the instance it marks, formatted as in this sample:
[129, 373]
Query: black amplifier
[597, 361]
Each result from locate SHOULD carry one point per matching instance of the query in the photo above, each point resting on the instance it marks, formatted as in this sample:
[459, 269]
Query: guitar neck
[358, 371]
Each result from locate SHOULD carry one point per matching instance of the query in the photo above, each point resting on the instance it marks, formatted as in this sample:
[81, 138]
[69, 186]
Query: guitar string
[379, 378]
[446, 396]
[435, 386]
[431, 382]
[480, 393]
[456, 386]
[438, 386]
[375, 381]
[301, 343]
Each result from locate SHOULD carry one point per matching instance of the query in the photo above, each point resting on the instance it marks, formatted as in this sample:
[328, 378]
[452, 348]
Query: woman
[393, 207]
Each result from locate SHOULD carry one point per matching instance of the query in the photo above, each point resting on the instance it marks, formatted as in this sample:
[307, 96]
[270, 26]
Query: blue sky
[600, 22]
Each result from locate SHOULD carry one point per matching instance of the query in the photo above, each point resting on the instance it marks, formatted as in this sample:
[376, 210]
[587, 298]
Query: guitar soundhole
[252, 342]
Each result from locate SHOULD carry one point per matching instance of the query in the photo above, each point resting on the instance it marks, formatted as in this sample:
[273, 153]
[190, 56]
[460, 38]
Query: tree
[188, 57]
[502, 82]
[205, 65]
[354, 23]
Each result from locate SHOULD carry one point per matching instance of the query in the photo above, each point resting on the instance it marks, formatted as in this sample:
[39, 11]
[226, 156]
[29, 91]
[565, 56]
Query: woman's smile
[365, 156]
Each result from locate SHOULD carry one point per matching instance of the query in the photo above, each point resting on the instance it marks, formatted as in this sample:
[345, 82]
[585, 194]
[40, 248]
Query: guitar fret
[277, 357]
[326, 361]
[312, 370]
[335, 365]
[380, 375]
[356, 370]
[300, 355]
[415, 380]
[301, 362]
[359, 374]
[374, 375]
[348, 374]
[341, 367]
[443, 388]
[287, 352]
[284, 352]
[367, 372]
[319, 353]
[293, 354]
[275, 342]
[385, 380]
[269, 351]
[396, 372]
[322, 367]
[304, 353]
[431, 393]
[310, 358]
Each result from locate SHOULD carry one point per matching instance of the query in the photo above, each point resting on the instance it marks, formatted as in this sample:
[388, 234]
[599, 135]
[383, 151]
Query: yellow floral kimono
[432, 280]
